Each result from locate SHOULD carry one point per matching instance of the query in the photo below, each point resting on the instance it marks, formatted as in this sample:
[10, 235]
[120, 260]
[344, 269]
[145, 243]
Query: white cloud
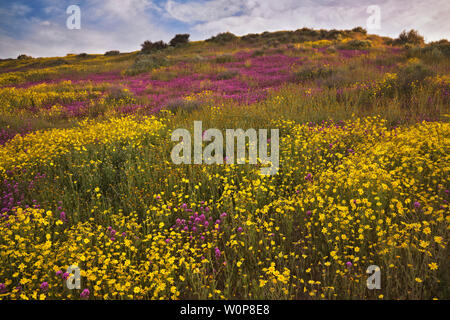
[125, 10]
[20, 9]
[288, 15]
[246, 16]
[123, 25]
[430, 18]
[200, 11]
[106, 25]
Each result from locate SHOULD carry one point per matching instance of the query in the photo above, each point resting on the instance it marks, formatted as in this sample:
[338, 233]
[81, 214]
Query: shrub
[360, 30]
[53, 63]
[307, 32]
[82, 55]
[23, 57]
[224, 58]
[273, 43]
[112, 53]
[180, 39]
[150, 47]
[182, 105]
[145, 63]
[388, 41]
[279, 36]
[411, 37]
[412, 74]
[442, 45]
[312, 72]
[117, 93]
[355, 44]
[435, 50]
[323, 34]
[436, 53]
[223, 37]
[334, 34]
[336, 80]
[251, 38]
[147, 46]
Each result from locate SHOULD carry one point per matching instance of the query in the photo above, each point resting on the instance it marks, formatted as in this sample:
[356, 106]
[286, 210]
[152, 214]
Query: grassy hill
[87, 178]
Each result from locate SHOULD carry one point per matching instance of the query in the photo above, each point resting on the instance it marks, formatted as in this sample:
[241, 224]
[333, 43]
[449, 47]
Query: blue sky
[38, 27]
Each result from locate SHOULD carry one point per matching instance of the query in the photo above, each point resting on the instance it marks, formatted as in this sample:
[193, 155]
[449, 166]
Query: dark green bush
[179, 39]
[251, 38]
[323, 34]
[442, 45]
[223, 37]
[150, 47]
[23, 57]
[112, 53]
[434, 50]
[355, 45]
[360, 30]
[334, 34]
[412, 37]
[312, 72]
[279, 36]
[412, 75]
[146, 63]
[307, 32]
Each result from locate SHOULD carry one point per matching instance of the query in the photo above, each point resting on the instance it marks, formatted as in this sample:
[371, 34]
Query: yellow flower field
[87, 179]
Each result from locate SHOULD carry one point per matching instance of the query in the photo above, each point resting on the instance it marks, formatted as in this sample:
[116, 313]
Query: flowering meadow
[86, 177]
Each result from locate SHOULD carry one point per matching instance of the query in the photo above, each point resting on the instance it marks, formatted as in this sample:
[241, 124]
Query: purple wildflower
[85, 294]
[217, 253]
[44, 286]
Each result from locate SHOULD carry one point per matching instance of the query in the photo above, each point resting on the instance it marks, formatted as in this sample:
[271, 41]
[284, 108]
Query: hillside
[87, 177]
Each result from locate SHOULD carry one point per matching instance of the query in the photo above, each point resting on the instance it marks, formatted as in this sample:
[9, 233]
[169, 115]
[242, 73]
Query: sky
[38, 27]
